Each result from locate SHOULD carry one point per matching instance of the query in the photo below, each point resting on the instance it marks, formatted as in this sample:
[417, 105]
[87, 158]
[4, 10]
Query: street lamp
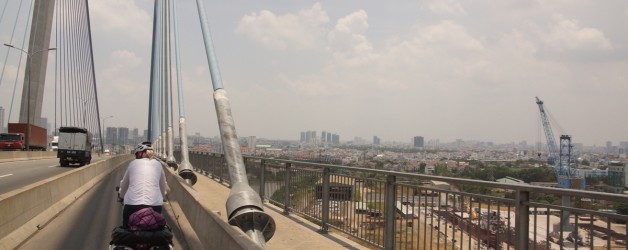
[28, 103]
[104, 129]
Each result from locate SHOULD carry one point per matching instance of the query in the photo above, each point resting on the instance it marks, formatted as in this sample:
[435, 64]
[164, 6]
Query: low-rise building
[510, 180]
[617, 175]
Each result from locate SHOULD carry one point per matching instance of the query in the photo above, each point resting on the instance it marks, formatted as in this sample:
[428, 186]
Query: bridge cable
[64, 65]
[74, 61]
[56, 65]
[84, 81]
[91, 52]
[19, 65]
[4, 9]
[6, 57]
[63, 55]
[75, 80]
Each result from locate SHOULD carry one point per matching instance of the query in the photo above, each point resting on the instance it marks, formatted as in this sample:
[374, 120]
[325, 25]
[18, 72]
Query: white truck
[54, 144]
[75, 146]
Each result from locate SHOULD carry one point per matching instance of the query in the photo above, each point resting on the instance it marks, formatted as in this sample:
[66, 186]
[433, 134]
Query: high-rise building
[302, 137]
[123, 136]
[135, 136]
[252, 142]
[617, 176]
[310, 137]
[323, 136]
[335, 139]
[329, 141]
[2, 120]
[376, 140]
[418, 142]
[44, 124]
[145, 135]
[358, 140]
[111, 135]
[609, 146]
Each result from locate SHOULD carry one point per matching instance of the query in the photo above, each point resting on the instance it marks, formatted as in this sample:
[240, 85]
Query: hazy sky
[442, 69]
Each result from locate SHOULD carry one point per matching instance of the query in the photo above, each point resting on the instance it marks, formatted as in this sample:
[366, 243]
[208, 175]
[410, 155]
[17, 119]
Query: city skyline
[522, 148]
[444, 70]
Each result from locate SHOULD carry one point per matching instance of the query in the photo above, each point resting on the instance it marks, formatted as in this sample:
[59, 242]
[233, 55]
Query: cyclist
[144, 183]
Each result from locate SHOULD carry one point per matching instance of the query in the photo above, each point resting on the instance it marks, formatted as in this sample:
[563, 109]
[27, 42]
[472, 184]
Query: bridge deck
[292, 231]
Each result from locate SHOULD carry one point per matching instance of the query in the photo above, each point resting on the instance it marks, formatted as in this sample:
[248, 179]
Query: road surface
[18, 174]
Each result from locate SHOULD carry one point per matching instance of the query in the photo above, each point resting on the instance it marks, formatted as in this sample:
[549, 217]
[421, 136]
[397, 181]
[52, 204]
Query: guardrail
[395, 210]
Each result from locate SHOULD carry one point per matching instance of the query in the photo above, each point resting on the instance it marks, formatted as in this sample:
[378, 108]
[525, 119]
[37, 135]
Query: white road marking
[53, 166]
[5, 175]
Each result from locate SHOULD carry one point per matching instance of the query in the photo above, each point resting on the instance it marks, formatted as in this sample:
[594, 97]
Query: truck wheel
[63, 163]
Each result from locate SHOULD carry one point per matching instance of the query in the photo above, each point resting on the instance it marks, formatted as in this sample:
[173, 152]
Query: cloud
[446, 7]
[122, 60]
[304, 30]
[447, 35]
[9, 73]
[445, 51]
[348, 42]
[122, 18]
[566, 34]
[434, 52]
[122, 64]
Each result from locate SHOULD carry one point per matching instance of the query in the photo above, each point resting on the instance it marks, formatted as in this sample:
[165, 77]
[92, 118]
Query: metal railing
[396, 210]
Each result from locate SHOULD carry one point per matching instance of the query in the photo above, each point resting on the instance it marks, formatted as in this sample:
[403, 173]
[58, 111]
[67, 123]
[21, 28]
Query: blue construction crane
[561, 158]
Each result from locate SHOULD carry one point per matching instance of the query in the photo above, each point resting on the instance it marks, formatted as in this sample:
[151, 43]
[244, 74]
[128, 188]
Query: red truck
[15, 139]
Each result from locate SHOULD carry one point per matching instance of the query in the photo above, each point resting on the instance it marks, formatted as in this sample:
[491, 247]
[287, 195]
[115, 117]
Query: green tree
[622, 208]
[379, 165]
[440, 169]
[422, 166]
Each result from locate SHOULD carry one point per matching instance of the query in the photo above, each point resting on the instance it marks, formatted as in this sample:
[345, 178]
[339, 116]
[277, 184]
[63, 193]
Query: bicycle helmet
[142, 148]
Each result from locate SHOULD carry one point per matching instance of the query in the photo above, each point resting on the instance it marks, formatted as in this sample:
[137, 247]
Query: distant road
[18, 174]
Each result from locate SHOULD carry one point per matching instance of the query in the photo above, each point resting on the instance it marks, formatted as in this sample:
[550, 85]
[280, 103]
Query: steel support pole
[325, 201]
[186, 170]
[153, 70]
[244, 206]
[522, 219]
[389, 211]
[286, 184]
[262, 180]
[169, 150]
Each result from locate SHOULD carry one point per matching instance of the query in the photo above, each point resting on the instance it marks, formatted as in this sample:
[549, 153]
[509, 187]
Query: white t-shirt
[144, 183]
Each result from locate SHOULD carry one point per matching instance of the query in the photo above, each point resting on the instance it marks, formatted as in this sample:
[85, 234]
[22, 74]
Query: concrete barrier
[8, 156]
[212, 231]
[23, 210]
